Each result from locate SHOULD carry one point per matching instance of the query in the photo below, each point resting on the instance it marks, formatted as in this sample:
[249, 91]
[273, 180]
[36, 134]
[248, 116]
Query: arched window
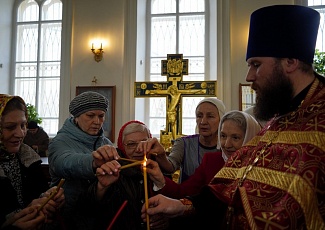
[37, 57]
[175, 27]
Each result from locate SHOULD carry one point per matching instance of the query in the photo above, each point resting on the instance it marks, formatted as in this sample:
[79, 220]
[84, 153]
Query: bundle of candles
[135, 163]
[145, 180]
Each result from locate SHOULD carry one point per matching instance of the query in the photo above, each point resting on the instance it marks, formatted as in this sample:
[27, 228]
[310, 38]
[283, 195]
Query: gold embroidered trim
[254, 141]
[315, 138]
[229, 173]
[296, 186]
[247, 208]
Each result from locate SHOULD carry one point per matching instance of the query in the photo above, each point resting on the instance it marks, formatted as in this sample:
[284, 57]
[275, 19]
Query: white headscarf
[218, 103]
[252, 128]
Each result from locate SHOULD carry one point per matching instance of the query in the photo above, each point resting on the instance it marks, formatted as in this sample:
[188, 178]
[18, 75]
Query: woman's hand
[163, 205]
[155, 173]
[159, 222]
[107, 174]
[104, 154]
[54, 198]
[151, 146]
[27, 219]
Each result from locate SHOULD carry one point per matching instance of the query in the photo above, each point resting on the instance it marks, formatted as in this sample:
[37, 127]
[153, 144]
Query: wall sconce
[98, 53]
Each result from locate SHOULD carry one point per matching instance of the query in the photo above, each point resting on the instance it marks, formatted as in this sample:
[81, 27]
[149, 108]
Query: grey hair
[135, 127]
[237, 117]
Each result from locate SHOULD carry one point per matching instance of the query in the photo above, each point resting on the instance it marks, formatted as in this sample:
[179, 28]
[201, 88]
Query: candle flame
[144, 161]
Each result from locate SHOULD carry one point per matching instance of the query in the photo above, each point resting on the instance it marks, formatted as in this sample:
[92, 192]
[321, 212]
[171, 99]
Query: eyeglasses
[132, 145]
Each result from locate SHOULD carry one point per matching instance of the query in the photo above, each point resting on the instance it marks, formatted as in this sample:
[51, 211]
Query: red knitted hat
[120, 144]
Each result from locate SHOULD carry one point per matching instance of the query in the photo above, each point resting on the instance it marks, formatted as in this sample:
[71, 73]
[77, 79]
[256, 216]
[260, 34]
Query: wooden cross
[174, 89]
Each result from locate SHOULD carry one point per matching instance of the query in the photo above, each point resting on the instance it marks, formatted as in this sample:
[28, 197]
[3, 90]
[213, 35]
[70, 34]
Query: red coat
[212, 162]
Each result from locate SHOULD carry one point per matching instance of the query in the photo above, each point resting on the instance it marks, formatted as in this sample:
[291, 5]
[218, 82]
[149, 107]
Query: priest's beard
[275, 96]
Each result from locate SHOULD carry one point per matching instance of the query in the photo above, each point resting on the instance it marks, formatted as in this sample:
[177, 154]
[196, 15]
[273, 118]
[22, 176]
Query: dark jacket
[40, 138]
[33, 182]
[129, 187]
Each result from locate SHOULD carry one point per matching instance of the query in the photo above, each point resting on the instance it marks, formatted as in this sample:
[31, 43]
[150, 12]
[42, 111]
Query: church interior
[118, 25]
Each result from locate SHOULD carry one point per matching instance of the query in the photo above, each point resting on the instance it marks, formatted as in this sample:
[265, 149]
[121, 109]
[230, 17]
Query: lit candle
[101, 45]
[92, 46]
[146, 191]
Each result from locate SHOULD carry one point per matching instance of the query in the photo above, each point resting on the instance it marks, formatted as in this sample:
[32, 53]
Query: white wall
[104, 20]
[5, 38]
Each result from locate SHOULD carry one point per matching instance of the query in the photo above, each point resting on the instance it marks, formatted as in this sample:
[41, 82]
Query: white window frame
[143, 53]
[66, 34]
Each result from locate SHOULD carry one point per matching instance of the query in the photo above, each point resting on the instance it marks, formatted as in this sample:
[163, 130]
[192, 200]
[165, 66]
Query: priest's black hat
[283, 31]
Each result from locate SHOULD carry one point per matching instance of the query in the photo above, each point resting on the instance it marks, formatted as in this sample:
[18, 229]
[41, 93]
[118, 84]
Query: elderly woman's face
[91, 121]
[207, 119]
[13, 126]
[131, 142]
[231, 137]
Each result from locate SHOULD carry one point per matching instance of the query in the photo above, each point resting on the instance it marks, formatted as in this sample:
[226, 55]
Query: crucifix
[174, 89]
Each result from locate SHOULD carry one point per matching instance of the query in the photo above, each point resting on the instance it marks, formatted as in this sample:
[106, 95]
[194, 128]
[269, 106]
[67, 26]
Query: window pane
[26, 70]
[193, 77]
[177, 33]
[48, 104]
[163, 36]
[51, 42]
[320, 43]
[320, 37]
[28, 11]
[189, 111]
[196, 65]
[37, 71]
[163, 6]
[157, 124]
[158, 107]
[188, 114]
[155, 65]
[27, 38]
[26, 88]
[52, 10]
[49, 97]
[188, 126]
[50, 125]
[316, 2]
[50, 69]
[191, 5]
[158, 77]
[191, 28]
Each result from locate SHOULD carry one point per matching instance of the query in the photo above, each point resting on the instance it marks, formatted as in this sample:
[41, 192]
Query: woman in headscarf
[22, 181]
[114, 186]
[236, 128]
[188, 151]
